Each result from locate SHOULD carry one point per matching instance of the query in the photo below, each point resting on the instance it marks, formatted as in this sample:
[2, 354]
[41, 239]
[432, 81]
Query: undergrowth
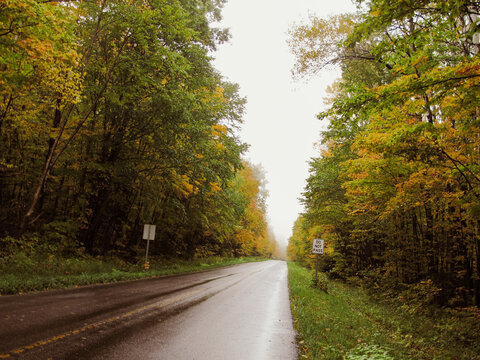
[25, 267]
[347, 323]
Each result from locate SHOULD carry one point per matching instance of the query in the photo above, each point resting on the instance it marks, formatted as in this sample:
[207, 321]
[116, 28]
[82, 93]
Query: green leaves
[114, 116]
[402, 134]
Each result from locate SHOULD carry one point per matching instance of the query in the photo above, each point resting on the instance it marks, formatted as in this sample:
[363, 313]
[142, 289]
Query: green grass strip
[346, 323]
[20, 283]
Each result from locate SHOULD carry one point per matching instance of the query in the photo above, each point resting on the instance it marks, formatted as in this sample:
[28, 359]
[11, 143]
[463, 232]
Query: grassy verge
[67, 273]
[346, 323]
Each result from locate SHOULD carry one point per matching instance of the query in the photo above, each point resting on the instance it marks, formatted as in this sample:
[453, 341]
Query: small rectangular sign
[317, 246]
[149, 232]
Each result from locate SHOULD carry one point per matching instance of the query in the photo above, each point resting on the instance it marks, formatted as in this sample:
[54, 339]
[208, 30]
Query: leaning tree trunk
[53, 155]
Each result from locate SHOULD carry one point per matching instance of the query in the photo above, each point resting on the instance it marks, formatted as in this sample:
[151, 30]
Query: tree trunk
[52, 156]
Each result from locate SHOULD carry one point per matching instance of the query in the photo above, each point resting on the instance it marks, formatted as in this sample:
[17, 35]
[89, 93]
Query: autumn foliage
[112, 116]
[396, 188]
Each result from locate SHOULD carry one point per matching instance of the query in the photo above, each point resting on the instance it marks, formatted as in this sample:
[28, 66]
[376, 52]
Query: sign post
[148, 234]
[317, 249]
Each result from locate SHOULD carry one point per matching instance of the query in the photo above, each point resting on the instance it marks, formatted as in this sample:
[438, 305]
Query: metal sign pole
[148, 234]
[146, 252]
[317, 249]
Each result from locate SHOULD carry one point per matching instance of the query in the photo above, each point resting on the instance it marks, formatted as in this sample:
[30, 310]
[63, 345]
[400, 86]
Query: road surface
[237, 312]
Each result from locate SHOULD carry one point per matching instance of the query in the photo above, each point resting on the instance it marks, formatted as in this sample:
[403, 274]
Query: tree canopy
[112, 116]
[395, 191]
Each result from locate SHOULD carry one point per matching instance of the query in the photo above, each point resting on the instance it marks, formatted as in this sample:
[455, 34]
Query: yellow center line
[157, 305]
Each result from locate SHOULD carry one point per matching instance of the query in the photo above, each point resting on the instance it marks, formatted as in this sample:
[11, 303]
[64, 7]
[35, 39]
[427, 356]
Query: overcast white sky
[280, 122]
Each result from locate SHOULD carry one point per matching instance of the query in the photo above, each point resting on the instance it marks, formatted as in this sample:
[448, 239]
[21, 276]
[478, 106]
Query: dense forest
[395, 189]
[112, 116]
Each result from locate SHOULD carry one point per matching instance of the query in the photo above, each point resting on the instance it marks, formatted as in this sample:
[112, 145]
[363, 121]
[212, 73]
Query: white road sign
[149, 232]
[317, 246]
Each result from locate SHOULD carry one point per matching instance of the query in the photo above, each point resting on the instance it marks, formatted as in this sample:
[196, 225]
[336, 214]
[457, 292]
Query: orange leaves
[423, 186]
[252, 235]
[215, 188]
[219, 130]
[401, 175]
[246, 239]
[184, 186]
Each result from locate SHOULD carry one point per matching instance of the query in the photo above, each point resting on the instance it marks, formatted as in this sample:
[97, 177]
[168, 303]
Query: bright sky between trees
[280, 121]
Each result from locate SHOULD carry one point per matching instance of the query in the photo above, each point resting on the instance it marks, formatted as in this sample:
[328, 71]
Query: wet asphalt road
[239, 312]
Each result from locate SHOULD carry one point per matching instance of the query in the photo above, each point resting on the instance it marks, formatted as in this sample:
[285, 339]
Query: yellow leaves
[184, 186]
[420, 60]
[315, 44]
[253, 235]
[187, 188]
[40, 61]
[219, 130]
[65, 82]
[218, 94]
[165, 81]
[214, 100]
[5, 164]
[253, 243]
[215, 187]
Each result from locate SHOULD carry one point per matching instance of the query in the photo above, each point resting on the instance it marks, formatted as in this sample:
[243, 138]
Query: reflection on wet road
[238, 312]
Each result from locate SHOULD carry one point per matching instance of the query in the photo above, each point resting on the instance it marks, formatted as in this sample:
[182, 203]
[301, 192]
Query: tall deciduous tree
[411, 178]
[113, 116]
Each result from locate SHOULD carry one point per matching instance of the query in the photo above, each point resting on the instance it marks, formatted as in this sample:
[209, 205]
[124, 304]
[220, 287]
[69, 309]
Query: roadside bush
[326, 263]
[419, 296]
[57, 236]
[320, 282]
[10, 245]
